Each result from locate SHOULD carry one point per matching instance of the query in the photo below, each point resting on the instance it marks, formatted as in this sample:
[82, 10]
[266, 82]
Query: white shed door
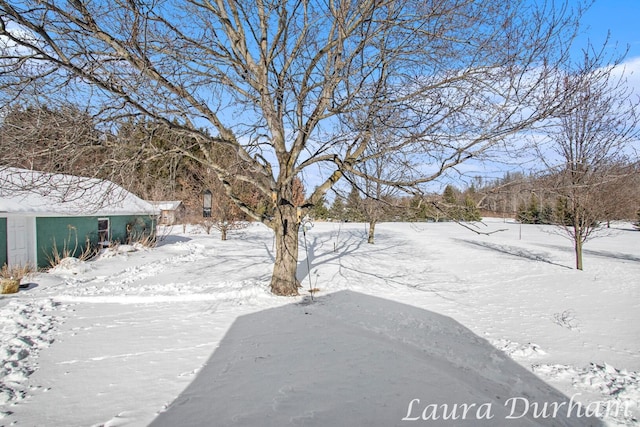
[20, 241]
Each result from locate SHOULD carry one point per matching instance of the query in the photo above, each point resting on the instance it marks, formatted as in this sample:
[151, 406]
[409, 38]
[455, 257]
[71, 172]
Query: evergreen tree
[458, 207]
[354, 206]
[420, 210]
[337, 209]
[451, 205]
[546, 215]
[533, 213]
[522, 215]
[534, 210]
[471, 211]
[449, 195]
[319, 211]
[563, 214]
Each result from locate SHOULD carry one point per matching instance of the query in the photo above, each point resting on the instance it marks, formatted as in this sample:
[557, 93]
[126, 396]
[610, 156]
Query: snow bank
[70, 266]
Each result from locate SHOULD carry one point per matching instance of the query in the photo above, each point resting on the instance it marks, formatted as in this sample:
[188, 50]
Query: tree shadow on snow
[171, 239]
[350, 359]
[318, 249]
[615, 255]
[599, 253]
[514, 251]
[322, 250]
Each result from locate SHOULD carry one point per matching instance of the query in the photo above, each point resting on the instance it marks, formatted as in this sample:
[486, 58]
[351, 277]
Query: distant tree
[637, 223]
[563, 214]
[375, 177]
[534, 209]
[522, 213]
[354, 206]
[546, 215]
[418, 209]
[319, 210]
[620, 197]
[150, 175]
[337, 209]
[529, 213]
[507, 195]
[471, 211]
[459, 206]
[450, 195]
[384, 207]
[61, 139]
[225, 215]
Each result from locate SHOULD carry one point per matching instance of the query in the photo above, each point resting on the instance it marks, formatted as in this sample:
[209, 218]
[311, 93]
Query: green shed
[44, 216]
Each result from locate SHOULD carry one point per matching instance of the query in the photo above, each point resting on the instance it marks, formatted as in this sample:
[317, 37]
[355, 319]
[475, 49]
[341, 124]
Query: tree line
[67, 141]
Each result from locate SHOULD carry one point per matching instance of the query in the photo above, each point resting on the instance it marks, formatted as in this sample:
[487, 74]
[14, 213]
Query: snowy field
[433, 325]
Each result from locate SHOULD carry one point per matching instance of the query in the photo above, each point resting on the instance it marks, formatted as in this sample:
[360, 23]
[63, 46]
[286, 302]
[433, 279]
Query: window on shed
[103, 231]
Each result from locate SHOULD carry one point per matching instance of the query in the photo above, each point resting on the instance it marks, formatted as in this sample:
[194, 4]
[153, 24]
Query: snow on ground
[27, 327]
[431, 322]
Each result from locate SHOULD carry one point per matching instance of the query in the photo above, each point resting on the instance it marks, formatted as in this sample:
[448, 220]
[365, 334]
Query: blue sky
[621, 18]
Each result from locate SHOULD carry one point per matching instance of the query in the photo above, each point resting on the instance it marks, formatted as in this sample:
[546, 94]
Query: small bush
[16, 272]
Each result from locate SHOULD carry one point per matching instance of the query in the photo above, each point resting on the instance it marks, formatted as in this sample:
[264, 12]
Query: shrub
[16, 272]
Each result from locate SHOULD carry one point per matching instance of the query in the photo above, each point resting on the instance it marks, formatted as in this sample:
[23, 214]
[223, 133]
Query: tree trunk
[372, 229]
[285, 225]
[223, 233]
[578, 247]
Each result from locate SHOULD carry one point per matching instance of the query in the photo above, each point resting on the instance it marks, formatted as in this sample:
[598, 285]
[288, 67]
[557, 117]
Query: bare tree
[621, 197]
[595, 132]
[32, 137]
[153, 173]
[370, 181]
[224, 215]
[272, 80]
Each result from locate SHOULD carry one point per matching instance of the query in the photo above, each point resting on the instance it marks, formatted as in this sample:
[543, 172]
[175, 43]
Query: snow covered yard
[431, 322]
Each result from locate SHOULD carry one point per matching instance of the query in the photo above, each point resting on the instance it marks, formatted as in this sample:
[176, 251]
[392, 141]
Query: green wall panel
[3, 241]
[68, 235]
[125, 229]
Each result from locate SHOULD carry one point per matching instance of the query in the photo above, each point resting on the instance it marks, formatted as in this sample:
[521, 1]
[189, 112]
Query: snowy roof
[46, 194]
[167, 205]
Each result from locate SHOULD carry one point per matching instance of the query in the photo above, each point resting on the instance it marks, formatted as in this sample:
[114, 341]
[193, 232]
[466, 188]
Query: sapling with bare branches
[595, 131]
